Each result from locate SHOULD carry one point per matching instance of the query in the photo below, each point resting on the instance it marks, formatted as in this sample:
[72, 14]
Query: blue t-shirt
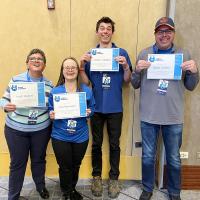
[71, 130]
[107, 86]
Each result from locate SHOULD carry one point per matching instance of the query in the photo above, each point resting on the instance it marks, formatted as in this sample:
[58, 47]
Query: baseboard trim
[190, 177]
[130, 167]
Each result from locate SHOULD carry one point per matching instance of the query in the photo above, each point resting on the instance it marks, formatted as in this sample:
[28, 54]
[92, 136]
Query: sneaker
[174, 197]
[22, 198]
[113, 189]
[75, 195]
[66, 196]
[97, 186]
[44, 193]
[145, 195]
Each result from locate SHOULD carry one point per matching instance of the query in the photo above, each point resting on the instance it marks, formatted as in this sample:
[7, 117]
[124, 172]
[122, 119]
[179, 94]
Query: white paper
[103, 59]
[28, 94]
[165, 66]
[69, 105]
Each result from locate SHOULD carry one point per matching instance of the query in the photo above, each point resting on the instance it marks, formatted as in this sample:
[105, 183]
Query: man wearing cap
[162, 110]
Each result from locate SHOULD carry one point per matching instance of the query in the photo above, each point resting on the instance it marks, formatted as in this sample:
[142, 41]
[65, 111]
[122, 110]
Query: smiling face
[35, 64]
[164, 37]
[104, 33]
[70, 70]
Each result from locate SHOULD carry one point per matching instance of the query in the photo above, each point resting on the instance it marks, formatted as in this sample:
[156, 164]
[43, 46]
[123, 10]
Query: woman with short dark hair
[27, 129]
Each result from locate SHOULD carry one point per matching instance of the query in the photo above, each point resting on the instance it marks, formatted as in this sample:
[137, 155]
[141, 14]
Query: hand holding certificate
[70, 105]
[28, 94]
[103, 59]
[165, 66]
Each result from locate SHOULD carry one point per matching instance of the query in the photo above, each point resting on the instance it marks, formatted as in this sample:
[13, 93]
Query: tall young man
[107, 89]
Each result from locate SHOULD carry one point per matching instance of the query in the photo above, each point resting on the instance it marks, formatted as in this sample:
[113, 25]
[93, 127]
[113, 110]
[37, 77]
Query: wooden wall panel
[70, 30]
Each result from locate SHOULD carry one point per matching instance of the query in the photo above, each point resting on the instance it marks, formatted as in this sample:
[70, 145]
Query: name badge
[33, 116]
[71, 126]
[106, 80]
[162, 87]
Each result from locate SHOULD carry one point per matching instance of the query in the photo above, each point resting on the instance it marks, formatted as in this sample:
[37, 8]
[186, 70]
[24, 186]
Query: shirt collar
[155, 48]
[113, 45]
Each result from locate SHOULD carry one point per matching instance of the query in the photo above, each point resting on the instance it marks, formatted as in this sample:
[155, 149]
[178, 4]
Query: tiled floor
[130, 190]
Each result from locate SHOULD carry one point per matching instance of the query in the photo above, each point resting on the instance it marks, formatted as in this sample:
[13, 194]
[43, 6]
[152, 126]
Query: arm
[90, 104]
[191, 77]
[50, 102]
[127, 72]
[136, 75]
[85, 58]
[9, 107]
[50, 107]
[5, 101]
[136, 79]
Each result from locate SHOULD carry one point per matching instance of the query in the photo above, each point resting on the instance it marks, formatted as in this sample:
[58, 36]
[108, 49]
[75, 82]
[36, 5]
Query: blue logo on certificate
[57, 98]
[152, 58]
[14, 87]
[94, 52]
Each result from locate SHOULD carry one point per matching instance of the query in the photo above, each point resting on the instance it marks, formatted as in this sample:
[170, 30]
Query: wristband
[81, 69]
[126, 69]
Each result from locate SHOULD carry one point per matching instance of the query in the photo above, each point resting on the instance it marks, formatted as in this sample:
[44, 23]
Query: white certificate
[103, 59]
[70, 105]
[28, 94]
[165, 66]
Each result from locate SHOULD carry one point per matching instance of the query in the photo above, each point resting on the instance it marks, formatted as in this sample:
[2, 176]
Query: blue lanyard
[29, 78]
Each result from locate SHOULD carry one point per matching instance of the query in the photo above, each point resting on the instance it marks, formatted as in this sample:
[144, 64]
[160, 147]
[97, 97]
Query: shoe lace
[114, 185]
[97, 182]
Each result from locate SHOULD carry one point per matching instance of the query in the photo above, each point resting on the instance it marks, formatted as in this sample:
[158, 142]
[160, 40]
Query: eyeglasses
[167, 32]
[34, 59]
[70, 68]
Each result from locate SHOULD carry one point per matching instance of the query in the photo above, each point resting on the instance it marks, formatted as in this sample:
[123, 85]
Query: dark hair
[106, 20]
[34, 51]
[61, 79]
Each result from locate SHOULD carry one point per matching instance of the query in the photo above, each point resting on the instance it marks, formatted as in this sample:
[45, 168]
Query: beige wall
[27, 25]
[70, 28]
[187, 19]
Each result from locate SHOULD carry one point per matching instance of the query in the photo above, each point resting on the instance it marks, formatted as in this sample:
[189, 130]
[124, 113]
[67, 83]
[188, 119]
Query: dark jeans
[69, 157]
[20, 145]
[114, 123]
[172, 138]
